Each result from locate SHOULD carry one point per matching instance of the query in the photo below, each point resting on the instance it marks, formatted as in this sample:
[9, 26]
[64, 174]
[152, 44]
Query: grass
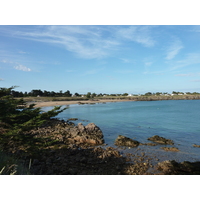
[11, 166]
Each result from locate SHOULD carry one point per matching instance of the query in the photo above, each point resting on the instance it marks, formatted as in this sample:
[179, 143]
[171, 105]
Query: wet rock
[195, 145]
[174, 168]
[125, 141]
[160, 140]
[148, 144]
[73, 119]
[170, 148]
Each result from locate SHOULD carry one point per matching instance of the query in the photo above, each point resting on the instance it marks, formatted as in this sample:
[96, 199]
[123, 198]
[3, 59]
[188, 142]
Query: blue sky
[101, 59]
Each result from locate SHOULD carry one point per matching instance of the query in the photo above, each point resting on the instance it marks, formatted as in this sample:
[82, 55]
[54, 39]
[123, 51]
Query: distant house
[130, 95]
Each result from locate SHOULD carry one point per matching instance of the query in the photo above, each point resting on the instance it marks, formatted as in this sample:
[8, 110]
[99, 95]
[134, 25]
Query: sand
[61, 103]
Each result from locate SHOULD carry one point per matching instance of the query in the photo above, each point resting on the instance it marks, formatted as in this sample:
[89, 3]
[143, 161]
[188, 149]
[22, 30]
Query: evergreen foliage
[16, 117]
[15, 113]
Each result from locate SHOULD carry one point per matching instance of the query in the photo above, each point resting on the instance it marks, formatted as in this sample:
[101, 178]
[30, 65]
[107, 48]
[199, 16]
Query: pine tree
[16, 117]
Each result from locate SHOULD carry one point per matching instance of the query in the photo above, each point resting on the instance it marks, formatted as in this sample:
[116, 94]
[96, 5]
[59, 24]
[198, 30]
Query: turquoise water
[178, 120]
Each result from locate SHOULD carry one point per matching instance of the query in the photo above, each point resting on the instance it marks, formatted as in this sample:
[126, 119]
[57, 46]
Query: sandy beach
[61, 103]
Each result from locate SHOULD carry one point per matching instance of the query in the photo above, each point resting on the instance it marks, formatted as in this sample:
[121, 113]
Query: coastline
[62, 103]
[59, 101]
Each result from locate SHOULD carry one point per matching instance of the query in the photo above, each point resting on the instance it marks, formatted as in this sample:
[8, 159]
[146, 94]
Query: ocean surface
[178, 120]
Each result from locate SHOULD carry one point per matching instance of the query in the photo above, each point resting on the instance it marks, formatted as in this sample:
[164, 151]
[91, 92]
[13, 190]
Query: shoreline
[62, 103]
[59, 101]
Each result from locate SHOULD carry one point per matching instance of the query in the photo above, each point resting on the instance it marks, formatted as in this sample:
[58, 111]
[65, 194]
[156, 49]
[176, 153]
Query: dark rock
[80, 103]
[174, 168]
[125, 141]
[160, 140]
[36, 162]
[73, 119]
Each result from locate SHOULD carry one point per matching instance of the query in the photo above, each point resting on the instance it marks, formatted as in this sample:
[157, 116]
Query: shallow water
[178, 120]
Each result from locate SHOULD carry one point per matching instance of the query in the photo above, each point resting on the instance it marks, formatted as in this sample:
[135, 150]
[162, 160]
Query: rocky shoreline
[69, 149]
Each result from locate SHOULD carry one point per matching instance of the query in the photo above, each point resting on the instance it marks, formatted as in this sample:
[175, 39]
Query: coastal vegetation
[35, 142]
[126, 98]
[16, 118]
[38, 95]
[45, 93]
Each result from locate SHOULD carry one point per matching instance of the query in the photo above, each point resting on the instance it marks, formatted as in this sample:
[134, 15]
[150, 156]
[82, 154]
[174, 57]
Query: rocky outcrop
[160, 140]
[67, 133]
[174, 168]
[78, 161]
[170, 149]
[125, 141]
[90, 134]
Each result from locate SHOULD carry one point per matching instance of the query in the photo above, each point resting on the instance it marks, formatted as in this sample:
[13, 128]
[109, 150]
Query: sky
[109, 59]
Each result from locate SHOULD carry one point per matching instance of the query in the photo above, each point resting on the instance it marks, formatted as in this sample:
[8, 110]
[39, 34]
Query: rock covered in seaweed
[160, 140]
[125, 141]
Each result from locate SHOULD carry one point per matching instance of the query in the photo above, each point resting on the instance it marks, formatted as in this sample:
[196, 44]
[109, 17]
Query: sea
[177, 120]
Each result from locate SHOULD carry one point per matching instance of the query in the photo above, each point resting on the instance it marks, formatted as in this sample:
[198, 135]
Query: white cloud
[125, 71]
[195, 80]
[125, 60]
[1, 79]
[174, 49]
[139, 34]
[195, 28]
[92, 71]
[89, 41]
[22, 52]
[6, 61]
[190, 74]
[70, 70]
[190, 59]
[22, 68]
[148, 63]
[85, 41]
